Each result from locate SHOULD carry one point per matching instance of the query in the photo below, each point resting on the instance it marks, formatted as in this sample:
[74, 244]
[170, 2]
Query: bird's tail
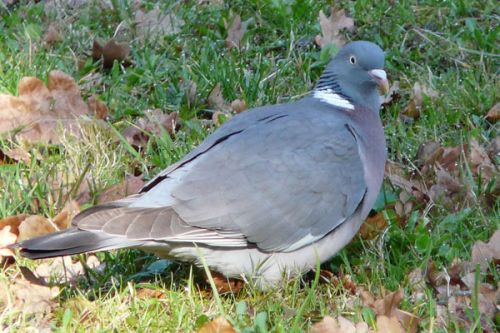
[71, 241]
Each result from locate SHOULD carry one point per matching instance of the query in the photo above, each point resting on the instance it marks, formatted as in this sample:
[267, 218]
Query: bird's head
[356, 73]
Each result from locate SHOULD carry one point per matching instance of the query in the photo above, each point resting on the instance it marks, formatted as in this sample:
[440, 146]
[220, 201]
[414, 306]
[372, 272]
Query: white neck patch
[329, 96]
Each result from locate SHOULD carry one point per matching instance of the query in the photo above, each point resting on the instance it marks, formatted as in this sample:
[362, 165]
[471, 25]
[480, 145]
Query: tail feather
[71, 241]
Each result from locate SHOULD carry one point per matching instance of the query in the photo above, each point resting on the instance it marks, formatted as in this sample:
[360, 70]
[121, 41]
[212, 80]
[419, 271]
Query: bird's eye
[352, 60]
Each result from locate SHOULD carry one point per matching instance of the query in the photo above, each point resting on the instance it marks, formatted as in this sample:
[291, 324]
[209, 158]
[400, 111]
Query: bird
[268, 194]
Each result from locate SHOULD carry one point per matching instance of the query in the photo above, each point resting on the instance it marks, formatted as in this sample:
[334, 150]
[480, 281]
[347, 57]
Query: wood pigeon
[268, 193]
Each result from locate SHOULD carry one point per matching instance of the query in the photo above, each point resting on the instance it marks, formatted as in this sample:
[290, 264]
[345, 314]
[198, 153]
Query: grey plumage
[262, 193]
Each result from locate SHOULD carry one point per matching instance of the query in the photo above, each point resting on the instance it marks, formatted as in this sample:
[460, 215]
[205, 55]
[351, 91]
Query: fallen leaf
[40, 110]
[28, 297]
[391, 95]
[494, 113]
[219, 117]
[35, 226]
[6, 238]
[448, 191]
[226, 285]
[65, 270]
[331, 325]
[389, 325]
[110, 52]
[218, 325]
[191, 93]
[238, 105]
[387, 306]
[235, 31]
[450, 158]
[130, 185]
[395, 173]
[18, 155]
[66, 215]
[414, 107]
[373, 226]
[428, 153]
[13, 221]
[151, 124]
[331, 27]
[416, 281]
[480, 162]
[156, 23]
[483, 253]
[90, 80]
[215, 99]
[494, 149]
[147, 293]
[98, 108]
[52, 35]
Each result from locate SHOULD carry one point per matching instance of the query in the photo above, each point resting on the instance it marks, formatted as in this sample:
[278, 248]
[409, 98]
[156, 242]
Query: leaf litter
[41, 112]
[332, 26]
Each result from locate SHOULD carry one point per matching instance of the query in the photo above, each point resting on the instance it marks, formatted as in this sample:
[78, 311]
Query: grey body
[269, 192]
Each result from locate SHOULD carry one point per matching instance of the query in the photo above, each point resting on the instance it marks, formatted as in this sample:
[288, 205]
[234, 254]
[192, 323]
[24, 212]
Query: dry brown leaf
[339, 325]
[226, 285]
[388, 306]
[373, 226]
[391, 95]
[28, 297]
[238, 105]
[215, 99]
[130, 185]
[13, 221]
[450, 157]
[483, 253]
[436, 278]
[63, 269]
[219, 117]
[156, 23]
[396, 175]
[66, 215]
[494, 149]
[52, 35]
[191, 93]
[98, 107]
[428, 153]
[494, 113]
[35, 226]
[448, 191]
[331, 27]
[152, 123]
[414, 107]
[480, 162]
[39, 110]
[90, 80]
[416, 280]
[389, 325]
[235, 31]
[147, 293]
[18, 155]
[218, 325]
[7, 237]
[110, 52]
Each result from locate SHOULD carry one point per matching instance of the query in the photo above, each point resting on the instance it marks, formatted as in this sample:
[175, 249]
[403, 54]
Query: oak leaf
[331, 27]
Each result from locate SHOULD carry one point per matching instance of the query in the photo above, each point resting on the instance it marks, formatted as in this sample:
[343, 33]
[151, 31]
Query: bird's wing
[279, 181]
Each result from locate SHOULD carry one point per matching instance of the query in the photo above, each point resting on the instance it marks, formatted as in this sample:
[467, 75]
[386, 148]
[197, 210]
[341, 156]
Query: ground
[439, 199]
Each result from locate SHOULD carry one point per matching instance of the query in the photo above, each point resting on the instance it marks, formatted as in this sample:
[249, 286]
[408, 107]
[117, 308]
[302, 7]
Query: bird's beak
[380, 77]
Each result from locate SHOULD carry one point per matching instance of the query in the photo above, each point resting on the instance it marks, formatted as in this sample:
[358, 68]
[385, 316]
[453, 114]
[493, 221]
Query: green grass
[450, 46]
